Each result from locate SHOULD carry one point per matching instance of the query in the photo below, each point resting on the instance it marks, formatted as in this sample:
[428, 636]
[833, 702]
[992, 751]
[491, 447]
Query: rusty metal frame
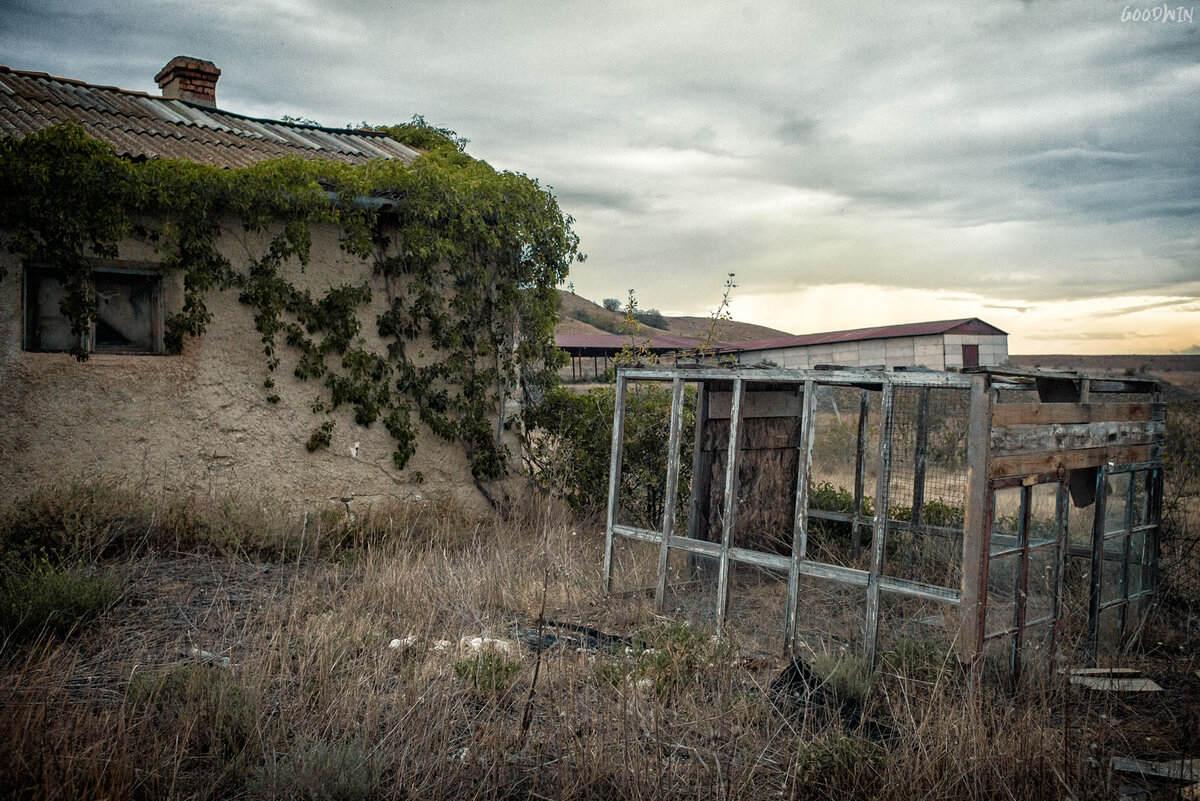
[1022, 445]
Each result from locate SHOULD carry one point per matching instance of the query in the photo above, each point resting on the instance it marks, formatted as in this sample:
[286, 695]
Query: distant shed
[938, 345]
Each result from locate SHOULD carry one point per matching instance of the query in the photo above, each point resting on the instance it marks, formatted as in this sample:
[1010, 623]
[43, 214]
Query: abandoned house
[940, 345]
[1008, 516]
[198, 421]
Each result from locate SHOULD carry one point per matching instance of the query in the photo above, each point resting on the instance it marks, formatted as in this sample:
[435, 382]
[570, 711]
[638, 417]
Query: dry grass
[315, 704]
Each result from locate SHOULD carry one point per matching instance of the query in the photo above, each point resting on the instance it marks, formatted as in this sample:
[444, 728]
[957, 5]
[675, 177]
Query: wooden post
[668, 523]
[879, 527]
[976, 526]
[1093, 635]
[614, 478]
[860, 453]
[800, 520]
[731, 501]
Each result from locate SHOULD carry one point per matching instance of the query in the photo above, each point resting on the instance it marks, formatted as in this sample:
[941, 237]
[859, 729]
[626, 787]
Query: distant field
[1181, 371]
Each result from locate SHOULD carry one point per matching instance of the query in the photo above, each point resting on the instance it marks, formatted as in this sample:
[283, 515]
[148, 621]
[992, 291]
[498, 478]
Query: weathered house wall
[200, 422]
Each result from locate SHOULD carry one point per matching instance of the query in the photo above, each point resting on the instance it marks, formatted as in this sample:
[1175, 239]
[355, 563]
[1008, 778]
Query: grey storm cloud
[1026, 151]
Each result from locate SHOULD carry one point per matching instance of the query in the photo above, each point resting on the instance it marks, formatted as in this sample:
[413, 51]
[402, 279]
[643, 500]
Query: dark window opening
[128, 308]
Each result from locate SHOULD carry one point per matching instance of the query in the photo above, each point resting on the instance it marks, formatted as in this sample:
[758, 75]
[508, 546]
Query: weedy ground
[200, 649]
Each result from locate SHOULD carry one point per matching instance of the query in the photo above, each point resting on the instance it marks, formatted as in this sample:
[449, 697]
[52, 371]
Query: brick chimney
[190, 79]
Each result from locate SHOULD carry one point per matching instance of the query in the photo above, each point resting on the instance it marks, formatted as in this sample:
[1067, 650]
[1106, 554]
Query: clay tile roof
[140, 125]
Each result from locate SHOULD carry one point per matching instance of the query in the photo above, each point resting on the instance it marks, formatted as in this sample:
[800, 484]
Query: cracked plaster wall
[199, 423]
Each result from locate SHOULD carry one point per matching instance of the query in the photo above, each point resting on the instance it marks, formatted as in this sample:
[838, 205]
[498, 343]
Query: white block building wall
[937, 352]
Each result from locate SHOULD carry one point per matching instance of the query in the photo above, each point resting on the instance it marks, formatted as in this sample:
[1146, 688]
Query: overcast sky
[1035, 164]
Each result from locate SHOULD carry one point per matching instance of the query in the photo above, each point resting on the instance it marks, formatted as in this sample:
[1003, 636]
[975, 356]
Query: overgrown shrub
[571, 452]
[46, 598]
[320, 770]
[202, 707]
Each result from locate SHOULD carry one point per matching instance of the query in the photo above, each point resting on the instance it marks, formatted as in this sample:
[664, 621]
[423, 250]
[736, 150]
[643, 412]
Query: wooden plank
[614, 478]
[883, 476]
[1184, 770]
[1028, 464]
[775, 561]
[641, 534]
[1117, 684]
[1019, 439]
[776, 403]
[919, 589]
[758, 434]
[800, 513]
[731, 502]
[675, 426]
[977, 524]
[1110, 672]
[1016, 414]
[845, 575]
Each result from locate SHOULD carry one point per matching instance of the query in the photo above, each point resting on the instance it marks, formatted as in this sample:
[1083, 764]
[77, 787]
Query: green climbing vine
[467, 259]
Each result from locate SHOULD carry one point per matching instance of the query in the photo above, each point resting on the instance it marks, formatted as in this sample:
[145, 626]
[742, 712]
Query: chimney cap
[186, 63]
[191, 79]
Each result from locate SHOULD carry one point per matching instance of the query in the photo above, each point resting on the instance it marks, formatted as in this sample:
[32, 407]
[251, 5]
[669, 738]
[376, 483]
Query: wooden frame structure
[1033, 439]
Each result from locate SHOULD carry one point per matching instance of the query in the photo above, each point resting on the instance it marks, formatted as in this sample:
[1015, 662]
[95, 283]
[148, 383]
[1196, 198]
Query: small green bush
[488, 674]
[319, 770]
[205, 707]
[84, 521]
[44, 598]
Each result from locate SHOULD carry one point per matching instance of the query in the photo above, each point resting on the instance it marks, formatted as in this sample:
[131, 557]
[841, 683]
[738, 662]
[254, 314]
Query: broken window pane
[127, 306]
[46, 328]
[129, 318]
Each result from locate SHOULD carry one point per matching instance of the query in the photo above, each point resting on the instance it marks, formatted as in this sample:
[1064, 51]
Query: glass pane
[1137, 545]
[1043, 514]
[1002, 593]
[1108, 641]
[1039, 596]
[1006, 515]
[126, 311]
[1141, 506]
[1112, 573]
[1036, 654]
[1114, 510]
[998, 661]
[46, 327]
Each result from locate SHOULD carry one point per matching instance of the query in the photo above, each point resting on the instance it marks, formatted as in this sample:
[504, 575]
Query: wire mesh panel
[838, 501]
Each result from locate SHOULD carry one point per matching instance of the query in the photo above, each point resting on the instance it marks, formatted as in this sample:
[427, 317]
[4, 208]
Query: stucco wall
[199, 422]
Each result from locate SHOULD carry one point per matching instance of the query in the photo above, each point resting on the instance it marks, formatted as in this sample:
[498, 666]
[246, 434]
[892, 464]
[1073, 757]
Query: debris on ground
[1120, 680]
[208, 657]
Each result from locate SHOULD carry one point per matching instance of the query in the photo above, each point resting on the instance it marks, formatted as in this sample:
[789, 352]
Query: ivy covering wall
[466, 258]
